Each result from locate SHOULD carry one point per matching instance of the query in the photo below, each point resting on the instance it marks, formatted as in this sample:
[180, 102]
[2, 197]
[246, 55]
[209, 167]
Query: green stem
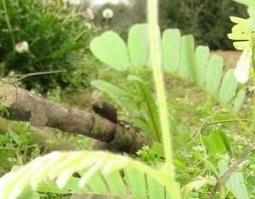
[155, 51]
[159, 81]
[8, 22]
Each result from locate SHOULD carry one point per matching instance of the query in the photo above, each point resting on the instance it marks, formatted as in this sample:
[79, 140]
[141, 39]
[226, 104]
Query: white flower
[107, 13]
[241, 71]
[22, 47]
[89, 14]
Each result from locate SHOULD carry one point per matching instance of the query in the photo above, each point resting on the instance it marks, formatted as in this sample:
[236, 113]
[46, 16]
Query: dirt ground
[230, 57]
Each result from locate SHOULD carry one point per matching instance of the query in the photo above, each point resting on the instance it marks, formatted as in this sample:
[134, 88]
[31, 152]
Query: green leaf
[115, 183]
[72, 186]
[149, 106]
[29, 194]
[179, 57]
[251, 11]
[235, 183]
[201, 56]
[116, 93]
[137, 183]
[111, 50]
[97, 184]
[214, 73]
[228, 87]
[239, 100]
[187, 65]
[216, 142]
[171, 49]
[250, 3]
[51, 187]
[156, 190]
[97, 172]
[138, 45]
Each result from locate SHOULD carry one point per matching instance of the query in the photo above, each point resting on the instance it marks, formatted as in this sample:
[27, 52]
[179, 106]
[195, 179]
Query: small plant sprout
[107, 13]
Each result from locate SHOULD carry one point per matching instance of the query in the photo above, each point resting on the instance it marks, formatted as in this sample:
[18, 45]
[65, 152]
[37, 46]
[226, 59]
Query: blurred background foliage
[207, 20]
[57, 37]
[58, 34]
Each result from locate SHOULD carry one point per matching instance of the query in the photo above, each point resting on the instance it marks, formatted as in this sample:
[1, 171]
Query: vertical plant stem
[155, 49]
[8, 22]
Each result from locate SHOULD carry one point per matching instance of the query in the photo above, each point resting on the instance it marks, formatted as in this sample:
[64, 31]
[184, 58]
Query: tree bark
[24, 105]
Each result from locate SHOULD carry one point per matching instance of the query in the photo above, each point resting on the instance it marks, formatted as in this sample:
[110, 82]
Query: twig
[37, 74]
[227, 174]
[207, 124]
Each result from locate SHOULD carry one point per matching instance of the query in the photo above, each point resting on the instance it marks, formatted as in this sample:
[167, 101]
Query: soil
[230, 57]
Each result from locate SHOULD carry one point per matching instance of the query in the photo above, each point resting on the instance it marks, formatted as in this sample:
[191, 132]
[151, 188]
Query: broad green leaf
[187, 63]
[51, 187]
[97, 184]
[214, 73]
[29, 194]
[111, 50]
[235, 183]
[241, 45]
[115, 183]
[137, 183]
[171, 49]
[239, 100]
[251, 11]
[180, 57]
[71, 186]
[117, 94]
[216, 142]
[242, 31]
[202, 56]
[155, 189]
[246, 2]
[138, 45]
[237, 186]
[93, 167]
[228, 87]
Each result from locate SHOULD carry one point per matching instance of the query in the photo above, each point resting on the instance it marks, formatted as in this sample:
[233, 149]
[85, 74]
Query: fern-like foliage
[98, 172]
[179, 57]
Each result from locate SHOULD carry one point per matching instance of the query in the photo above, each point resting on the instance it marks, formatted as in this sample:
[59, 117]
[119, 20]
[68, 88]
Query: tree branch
[28, 106]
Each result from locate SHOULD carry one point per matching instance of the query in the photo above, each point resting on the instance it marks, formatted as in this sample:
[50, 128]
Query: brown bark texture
[24, 105]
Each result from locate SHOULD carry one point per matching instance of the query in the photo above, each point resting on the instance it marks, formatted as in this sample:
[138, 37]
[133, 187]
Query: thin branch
[27, 106]
[227, 174]
[18, 78]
